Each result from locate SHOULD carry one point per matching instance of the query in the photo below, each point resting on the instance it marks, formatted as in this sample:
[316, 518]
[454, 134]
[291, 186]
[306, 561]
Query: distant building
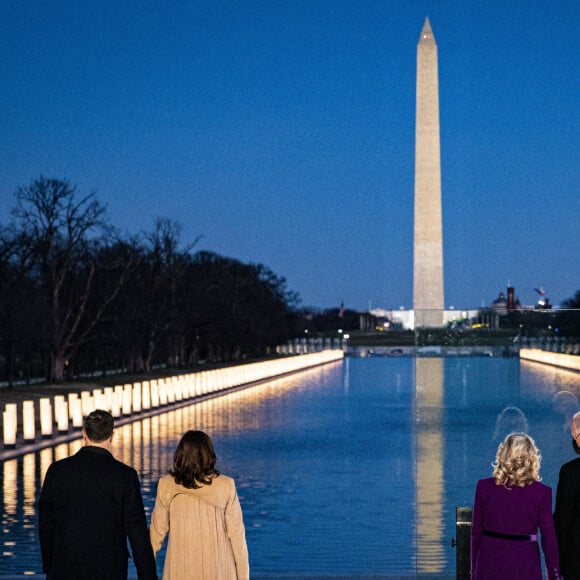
[402, 319]
[499, 305]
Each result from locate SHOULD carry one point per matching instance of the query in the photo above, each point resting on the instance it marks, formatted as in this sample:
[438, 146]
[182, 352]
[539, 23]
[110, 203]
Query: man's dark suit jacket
[567, 519]
[89, 505]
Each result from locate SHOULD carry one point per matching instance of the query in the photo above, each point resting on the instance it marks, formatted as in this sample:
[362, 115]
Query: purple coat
[514, 511]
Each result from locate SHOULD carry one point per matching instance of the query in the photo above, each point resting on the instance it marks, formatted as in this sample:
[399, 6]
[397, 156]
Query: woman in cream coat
[200, 510]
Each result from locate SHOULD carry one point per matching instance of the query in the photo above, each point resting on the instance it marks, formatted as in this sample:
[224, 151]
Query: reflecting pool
[354, 468]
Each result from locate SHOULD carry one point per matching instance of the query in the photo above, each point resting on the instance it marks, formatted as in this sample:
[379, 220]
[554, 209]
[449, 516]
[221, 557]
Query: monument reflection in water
[353, 468]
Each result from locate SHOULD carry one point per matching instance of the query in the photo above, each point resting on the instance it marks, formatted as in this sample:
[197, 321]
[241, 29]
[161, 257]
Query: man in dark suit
[89, 505]
[567, 512]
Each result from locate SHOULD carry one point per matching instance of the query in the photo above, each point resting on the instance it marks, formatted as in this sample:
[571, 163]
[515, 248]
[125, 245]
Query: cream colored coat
[207, 539]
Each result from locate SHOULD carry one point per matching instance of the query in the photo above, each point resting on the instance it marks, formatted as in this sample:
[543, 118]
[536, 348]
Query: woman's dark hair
[194, 460]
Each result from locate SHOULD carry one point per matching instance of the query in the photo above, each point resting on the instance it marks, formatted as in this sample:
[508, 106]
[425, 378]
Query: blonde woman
[199, 508]
[509, 509]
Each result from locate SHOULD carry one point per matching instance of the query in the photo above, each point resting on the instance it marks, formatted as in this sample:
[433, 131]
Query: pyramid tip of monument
[427, 33]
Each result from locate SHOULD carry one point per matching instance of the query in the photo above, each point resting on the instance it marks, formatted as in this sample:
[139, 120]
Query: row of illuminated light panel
[557, 359]
[63, 411]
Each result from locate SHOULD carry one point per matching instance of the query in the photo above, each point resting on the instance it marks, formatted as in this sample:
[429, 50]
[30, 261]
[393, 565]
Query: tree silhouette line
[77, 296]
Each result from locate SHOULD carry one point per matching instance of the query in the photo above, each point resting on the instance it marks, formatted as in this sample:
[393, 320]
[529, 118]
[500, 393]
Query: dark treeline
[77, 296]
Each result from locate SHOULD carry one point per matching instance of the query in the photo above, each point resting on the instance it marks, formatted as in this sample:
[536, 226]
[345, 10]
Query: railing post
[462, 542]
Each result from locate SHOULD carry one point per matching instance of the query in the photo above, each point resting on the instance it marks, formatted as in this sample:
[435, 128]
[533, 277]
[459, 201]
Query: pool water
[351, 469]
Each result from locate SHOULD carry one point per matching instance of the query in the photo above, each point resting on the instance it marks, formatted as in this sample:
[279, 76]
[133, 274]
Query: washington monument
[428, 240]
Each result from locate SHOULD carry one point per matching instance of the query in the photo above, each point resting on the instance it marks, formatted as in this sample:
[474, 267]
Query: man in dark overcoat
[567, 511]
[90, 504]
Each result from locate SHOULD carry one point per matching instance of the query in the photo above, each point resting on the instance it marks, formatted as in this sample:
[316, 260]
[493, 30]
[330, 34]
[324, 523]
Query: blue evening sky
[283, 131]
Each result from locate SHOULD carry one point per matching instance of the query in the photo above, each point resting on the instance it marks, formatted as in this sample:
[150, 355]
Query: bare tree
[161, 273]
[61, 234]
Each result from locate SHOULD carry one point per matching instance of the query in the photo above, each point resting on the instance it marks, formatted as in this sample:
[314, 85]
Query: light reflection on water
[429, 464]
[345, 469]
